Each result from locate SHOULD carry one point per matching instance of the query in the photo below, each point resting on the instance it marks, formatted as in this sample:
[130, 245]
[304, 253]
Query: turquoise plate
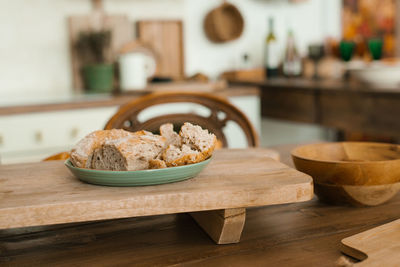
[137, 178]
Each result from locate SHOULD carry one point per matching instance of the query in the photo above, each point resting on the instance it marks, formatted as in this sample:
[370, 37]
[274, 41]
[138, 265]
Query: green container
[346, 49]
[375, 47]
[99, 78]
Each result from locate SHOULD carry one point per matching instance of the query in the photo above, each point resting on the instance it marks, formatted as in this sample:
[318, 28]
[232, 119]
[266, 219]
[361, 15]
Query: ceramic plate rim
[68, 164]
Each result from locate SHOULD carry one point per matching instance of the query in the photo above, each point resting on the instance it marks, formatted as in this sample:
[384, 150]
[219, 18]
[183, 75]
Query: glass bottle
[292, 65]
[271, 52]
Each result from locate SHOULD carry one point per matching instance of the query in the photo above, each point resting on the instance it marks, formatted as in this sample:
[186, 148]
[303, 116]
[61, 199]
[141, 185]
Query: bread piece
[197, 145]
[82, 152]
[172, 138]
[177, 156]
[130, 153]
[198, 139]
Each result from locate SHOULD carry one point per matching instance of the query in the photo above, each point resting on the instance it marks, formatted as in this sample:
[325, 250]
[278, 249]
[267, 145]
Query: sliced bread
[82, 152]
[129, 154]
[121, 150]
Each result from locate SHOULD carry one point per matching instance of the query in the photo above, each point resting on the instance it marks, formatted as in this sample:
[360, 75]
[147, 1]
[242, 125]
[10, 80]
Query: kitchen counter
[342, 105]
[302, 234]
[70, 101]
[324, 85]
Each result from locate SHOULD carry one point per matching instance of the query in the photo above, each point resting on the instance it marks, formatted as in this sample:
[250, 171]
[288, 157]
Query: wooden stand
[47, 193]
[223, 226]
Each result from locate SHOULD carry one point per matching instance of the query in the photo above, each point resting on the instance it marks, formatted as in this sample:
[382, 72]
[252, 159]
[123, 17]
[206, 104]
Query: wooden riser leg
[223, 226]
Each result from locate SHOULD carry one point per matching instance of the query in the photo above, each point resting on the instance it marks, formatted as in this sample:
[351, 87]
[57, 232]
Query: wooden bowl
[358, 173]
[356, 195]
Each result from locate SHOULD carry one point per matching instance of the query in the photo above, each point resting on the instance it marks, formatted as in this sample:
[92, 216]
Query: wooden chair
[221, 111]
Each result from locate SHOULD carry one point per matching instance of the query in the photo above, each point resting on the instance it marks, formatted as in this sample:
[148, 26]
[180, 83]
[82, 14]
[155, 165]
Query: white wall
[34, 52]
[34, 56]
[311, 21]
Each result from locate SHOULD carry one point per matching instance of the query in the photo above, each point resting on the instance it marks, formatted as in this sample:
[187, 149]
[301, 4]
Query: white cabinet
[31, 137]
[251, 107]
[34, 136]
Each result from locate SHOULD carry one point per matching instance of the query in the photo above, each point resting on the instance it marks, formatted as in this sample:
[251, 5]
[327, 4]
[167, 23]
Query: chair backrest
[221, 111]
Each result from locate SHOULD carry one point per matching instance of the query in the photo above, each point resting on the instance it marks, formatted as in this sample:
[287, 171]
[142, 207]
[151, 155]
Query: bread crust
[157, 164]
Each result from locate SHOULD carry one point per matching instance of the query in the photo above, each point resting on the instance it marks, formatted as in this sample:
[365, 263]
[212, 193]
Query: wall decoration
[363, 20]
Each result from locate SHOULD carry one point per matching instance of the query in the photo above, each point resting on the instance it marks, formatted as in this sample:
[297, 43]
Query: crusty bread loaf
[130, 153]
[125, 151]
[82, 152]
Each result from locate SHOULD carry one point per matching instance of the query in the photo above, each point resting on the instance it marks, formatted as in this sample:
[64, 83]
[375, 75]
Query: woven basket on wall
[224, 23]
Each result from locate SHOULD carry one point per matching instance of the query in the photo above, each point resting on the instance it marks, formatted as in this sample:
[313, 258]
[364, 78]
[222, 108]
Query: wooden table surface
[302, 234]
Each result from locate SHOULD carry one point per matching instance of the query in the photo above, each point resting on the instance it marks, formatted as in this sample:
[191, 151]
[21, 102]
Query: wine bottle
[291, 65]
[271, 52]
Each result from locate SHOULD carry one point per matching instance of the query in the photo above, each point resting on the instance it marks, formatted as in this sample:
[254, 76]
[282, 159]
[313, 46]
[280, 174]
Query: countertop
[325, 85]
[302, 234]
[69, 100]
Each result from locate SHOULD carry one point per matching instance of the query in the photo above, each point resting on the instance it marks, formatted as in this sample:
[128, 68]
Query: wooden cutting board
[47, 193]
[379, 246]
[165, 37]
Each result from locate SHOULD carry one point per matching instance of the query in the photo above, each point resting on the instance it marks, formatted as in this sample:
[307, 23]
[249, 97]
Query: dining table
[307, 233]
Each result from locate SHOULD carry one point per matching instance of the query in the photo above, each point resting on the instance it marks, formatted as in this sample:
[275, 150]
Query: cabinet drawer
[46, 130]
